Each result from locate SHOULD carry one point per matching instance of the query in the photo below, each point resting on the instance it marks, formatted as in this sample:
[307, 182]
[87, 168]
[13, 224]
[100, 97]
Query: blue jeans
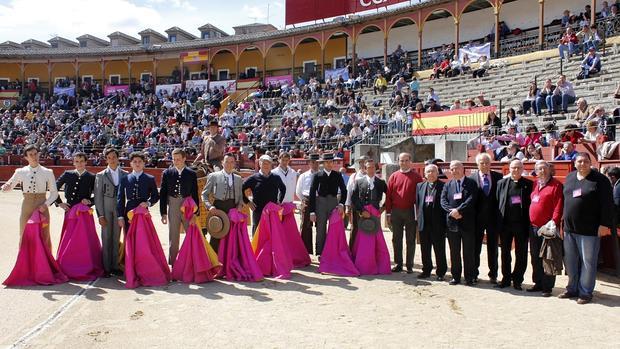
[539, 104]
[563, 48]
[588, 44]
[562, 99]
[580, 260]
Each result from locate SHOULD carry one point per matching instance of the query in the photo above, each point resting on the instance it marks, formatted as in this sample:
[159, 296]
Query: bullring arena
[313, 88]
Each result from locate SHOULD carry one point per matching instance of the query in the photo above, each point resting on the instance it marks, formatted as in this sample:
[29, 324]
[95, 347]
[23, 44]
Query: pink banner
[299, 11]
[108, 90]
[282, 80]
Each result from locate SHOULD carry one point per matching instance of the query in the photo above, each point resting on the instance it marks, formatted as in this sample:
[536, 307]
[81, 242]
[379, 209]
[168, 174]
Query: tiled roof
[93, 38]
[154, 33]
[202, 43]
[181, 31]
[64, 41]
[211, 26]
[124, 36]
[36, 42]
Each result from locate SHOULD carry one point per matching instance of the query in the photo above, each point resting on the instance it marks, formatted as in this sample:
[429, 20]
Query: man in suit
[79, 184]
[324, 198]
[514, 198]
[303, 191]
[368, 190]
[223, 191]
[265, 186]
[106, 190]
[135, 189]
[177, 183]
[350, 209]
[431, 223]
[458, 198]
[487, 217]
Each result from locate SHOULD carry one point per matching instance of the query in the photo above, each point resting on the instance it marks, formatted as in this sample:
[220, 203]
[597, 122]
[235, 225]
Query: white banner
[168, 88]
[474, 52]
[199, 85]
[335, 73]
[229, 85]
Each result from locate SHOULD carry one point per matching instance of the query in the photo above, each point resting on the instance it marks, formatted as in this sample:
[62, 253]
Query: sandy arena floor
[309, 311]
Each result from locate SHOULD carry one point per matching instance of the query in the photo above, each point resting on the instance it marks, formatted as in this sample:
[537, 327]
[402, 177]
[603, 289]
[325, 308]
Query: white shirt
[351, 185]
[229, 176]
[303, 184]
[37, 180]
[137, 174]
[371, 182]
[289, 178]
[180, 171]
[115, 174]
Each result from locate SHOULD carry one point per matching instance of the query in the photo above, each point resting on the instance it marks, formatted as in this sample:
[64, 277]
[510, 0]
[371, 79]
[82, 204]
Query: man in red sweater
[547, 204]
[399, 205]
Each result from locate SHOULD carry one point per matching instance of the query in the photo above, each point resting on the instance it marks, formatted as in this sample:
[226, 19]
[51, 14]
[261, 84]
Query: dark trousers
[256, 218]
[354, 218]
[546, 282]
[509, 234]
[467, 239]
[306, 227]
[492, 249]
[224, 205]
[437, 241]
[403, 220]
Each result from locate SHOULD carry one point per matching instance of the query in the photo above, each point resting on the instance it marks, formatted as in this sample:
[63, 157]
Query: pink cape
[269, 244]
[336, 258]
[235, 251]
[35, 264]
[79, 252]
[370, 253]
[145, 262]
[292, 237]
[196, 261]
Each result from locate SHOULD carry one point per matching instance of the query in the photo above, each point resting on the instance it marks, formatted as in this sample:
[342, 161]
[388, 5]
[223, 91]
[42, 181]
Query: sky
[42, 20]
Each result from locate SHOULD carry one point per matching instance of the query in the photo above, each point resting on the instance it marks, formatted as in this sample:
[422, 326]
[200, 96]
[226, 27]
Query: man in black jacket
[458, 198]
[487, 213]
[514, 198]
[79, 184]
[368, 190]
[431, 223]
[266, 187]
[323, 198]
[177, 183]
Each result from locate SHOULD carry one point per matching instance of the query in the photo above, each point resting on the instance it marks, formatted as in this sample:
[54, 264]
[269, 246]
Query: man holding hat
[213, 147]
[265, 186]
[323, 198]
[361, 172]
[303, 193]
[223, 191]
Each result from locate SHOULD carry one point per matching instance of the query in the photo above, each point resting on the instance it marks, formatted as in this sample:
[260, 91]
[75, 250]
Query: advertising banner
[108, 90]
[335, 73]
[282, 80]
[299, 11]
[474, 52]
[229, 85]
[169, 88]
[199, 85]
[69, 91]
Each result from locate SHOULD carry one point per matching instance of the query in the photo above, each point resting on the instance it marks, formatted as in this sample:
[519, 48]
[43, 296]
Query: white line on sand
[38, 329]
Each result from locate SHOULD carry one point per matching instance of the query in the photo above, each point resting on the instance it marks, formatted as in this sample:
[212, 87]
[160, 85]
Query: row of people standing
[514, 209]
